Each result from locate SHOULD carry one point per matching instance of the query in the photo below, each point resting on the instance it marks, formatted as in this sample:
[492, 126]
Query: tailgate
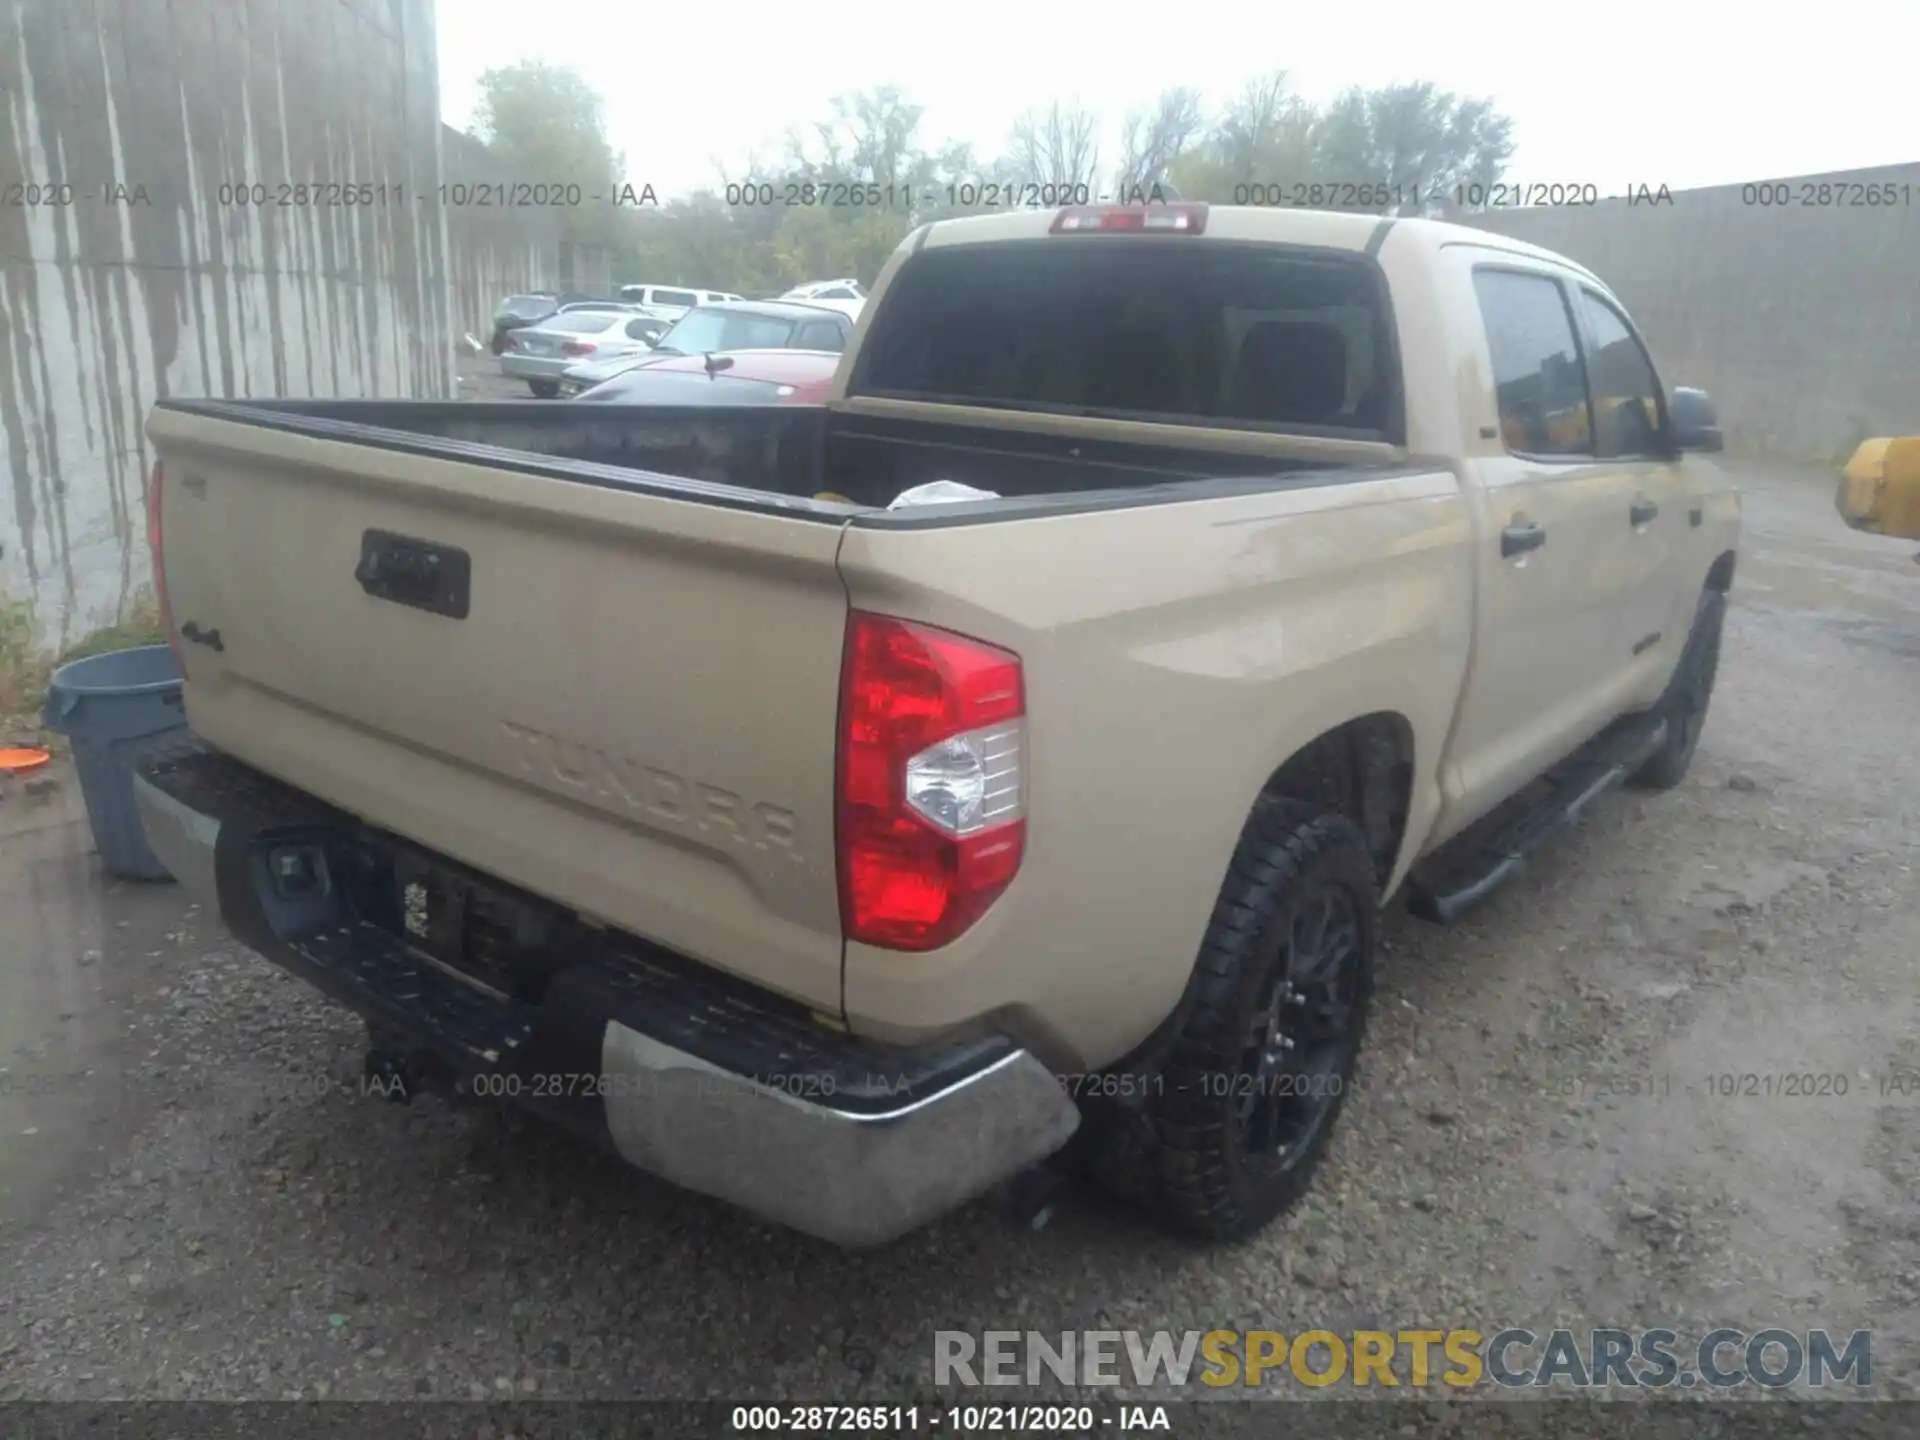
[635, 715]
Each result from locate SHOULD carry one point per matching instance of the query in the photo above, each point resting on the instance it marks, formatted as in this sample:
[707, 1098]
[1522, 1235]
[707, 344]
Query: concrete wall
[586, 268]
[496, 251]
[1801, 320]
[138, 282]
[492, 251]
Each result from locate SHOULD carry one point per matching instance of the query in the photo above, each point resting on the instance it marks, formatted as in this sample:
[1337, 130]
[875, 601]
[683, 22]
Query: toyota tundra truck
[669, 772]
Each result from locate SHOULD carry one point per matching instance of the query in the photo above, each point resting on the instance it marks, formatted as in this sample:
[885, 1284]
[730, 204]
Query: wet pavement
[195, 1200]
[79, 953]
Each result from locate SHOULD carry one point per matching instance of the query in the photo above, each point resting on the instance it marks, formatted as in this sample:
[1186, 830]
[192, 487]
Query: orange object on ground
[14, 761]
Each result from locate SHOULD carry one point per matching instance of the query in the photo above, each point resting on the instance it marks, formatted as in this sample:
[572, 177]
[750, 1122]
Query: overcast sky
[1681, 92]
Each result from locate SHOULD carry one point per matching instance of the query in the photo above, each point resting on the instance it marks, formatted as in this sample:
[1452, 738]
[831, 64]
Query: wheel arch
[1362, 768]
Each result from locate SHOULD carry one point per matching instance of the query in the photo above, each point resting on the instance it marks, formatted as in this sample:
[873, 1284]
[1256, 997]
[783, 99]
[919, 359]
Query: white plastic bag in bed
[939, 492]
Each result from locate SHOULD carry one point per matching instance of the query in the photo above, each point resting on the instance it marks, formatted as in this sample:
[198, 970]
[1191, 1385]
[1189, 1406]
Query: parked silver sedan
[538, 354]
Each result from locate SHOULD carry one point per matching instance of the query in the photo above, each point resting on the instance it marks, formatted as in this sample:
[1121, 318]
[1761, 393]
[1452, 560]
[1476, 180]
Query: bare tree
[871, 137]
[1266, 122]
[1056, 146]
[1152, 139]
[1420, 140]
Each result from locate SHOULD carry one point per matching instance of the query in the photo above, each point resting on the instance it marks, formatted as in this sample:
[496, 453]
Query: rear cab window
[1260, 337]
[583, 321]
[1539, 378]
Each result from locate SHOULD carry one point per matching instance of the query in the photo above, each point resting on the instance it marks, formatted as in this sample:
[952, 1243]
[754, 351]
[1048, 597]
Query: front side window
[1626, 392]
[703, 331]
[1538, 378]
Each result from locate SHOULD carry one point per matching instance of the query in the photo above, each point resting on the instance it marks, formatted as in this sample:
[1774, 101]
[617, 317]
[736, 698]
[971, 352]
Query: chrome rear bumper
[802, 1126]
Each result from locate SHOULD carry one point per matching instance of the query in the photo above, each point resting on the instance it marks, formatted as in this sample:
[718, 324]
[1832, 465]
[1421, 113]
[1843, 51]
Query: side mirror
[1695, 425]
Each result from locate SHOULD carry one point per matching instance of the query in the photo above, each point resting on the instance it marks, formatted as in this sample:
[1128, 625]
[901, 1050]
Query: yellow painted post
[1879, 489]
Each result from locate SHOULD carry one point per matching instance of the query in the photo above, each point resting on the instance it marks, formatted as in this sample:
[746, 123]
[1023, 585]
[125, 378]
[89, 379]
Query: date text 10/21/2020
[1784, 1085]
[1365, 196]
[1803, 1085]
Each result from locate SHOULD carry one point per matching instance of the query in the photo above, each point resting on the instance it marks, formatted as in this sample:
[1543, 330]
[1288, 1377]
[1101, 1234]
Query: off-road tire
[1186, 1155]
[1688, 693]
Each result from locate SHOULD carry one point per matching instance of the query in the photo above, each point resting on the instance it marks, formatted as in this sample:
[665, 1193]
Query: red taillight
[156, 553]
[1184, 218]
[578, 347]
[507, 342]
[931, 807]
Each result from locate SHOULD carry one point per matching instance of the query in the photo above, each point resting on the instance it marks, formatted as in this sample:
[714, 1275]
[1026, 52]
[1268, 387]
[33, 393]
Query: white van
[847, 296]
[670, 299]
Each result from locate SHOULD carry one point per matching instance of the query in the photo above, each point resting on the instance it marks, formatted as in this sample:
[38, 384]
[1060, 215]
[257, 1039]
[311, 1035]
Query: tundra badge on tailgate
[684, 803]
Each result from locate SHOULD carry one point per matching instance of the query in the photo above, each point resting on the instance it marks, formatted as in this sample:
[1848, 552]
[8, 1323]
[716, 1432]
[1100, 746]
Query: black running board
[1470, 867]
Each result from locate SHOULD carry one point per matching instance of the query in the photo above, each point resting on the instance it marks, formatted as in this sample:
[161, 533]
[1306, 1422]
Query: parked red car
[728, 377]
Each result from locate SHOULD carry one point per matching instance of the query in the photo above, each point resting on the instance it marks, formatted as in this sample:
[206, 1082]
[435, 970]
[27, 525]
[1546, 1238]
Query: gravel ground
[480, 379]
[199, 1210]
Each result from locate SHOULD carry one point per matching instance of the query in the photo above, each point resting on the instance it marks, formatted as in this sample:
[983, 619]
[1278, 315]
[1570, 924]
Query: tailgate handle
[209, 638]
[416, 573]
[1519, 539]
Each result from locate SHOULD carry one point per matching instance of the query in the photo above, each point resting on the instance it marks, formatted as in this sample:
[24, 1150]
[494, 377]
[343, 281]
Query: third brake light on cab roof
[1184, 218]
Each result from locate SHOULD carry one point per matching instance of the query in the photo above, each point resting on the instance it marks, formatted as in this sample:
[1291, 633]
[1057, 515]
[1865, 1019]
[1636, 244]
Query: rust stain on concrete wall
[210, 197]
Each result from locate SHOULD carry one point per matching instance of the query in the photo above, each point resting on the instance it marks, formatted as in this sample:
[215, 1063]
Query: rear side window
[1537, 375]
[818, 335]
[676, 297]
[583, 322]
[1626, 393]
[1248, 337]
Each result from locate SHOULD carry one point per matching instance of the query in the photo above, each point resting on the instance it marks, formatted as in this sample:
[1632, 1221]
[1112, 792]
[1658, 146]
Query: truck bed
[782, 456]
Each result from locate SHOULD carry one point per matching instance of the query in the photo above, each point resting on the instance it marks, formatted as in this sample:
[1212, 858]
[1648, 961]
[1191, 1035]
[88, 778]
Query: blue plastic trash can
[118, 708]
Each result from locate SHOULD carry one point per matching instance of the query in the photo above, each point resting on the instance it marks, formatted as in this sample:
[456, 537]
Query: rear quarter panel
[1175, 655]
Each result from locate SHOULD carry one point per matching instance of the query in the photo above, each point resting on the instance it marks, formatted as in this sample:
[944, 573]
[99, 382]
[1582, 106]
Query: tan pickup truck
[653, 768]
